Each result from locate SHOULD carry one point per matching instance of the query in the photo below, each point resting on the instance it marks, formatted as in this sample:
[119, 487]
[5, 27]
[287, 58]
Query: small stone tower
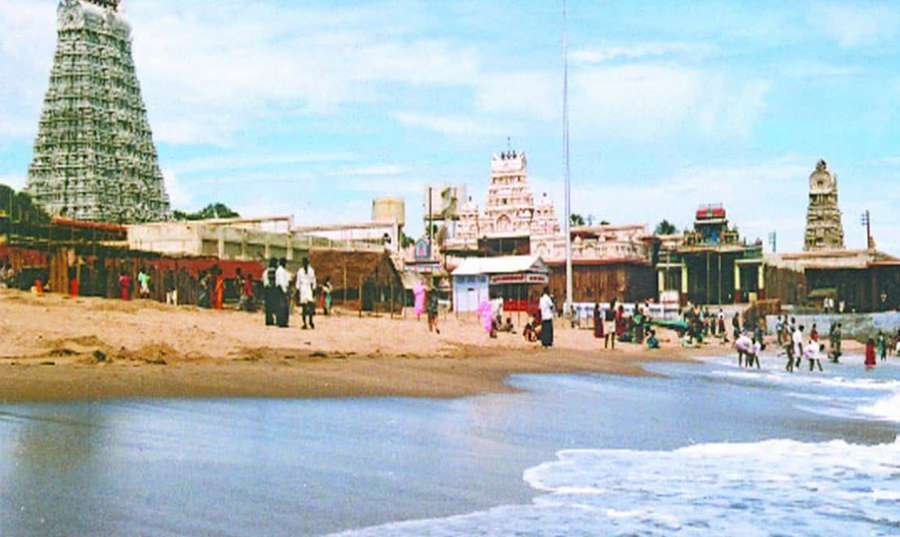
[824, 230]
[94, 157]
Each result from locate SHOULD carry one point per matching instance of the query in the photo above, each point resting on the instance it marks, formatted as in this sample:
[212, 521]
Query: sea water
[702, 449]
[768, 487]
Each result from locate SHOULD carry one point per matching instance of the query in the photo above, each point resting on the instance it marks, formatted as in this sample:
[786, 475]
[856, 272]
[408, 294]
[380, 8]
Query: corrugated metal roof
[510, 264]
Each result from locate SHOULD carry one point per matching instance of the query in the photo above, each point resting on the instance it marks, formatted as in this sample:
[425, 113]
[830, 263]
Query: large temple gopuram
[94, 157]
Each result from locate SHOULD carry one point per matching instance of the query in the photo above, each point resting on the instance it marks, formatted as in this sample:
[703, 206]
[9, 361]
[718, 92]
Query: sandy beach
[55, 348]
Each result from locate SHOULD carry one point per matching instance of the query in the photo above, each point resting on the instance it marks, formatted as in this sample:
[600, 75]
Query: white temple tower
[94, 157]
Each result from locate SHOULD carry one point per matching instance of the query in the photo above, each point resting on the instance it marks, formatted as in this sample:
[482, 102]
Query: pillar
[684, 278]
[661, 280]
[220, 232]
[737, 277]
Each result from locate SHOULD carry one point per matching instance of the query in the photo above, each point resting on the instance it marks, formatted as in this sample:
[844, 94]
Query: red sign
[500, 279]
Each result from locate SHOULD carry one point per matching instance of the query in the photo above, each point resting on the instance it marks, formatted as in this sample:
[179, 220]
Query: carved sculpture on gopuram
[94, 157]
[824, 230]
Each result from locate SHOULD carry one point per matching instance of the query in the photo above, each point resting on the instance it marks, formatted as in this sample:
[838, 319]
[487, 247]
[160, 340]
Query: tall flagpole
[568, 186]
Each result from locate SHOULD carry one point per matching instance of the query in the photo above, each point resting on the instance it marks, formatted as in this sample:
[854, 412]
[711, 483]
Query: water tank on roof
[389, 209]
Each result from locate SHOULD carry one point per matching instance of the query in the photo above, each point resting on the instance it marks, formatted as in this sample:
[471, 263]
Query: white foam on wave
[885, 409]
[764, 488]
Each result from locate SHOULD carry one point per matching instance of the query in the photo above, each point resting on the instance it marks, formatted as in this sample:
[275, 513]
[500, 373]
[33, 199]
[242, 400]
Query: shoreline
[56, 349]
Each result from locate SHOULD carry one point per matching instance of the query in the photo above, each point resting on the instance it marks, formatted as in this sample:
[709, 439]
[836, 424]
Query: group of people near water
[281, 288]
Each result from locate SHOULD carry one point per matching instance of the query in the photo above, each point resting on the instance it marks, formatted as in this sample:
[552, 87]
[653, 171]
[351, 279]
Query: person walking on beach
[881, 346]
[124, 286]
[547, 310]
[418, 299]
[218, 287]
[797, 341]
[744, 346]
[171, 288]
[431, 308]
[813, 354]
[271, 293]
[144, 283]
[814, 333]
[283, 283]
[870, 353]
[835, 336]
[736, 326]
[306, 285]
[326, 297]
[598, 320]
[609, 326]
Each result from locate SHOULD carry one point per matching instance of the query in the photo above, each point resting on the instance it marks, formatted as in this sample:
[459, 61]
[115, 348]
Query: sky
[312, 108]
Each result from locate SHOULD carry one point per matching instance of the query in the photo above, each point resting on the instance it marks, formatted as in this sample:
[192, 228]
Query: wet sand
[54, 348]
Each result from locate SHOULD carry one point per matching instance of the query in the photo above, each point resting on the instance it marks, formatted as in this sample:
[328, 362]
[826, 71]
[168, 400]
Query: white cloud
[605, 53]
[180, 197]
[854, 24]
[452, 126]
[16, 182]
[651, 101]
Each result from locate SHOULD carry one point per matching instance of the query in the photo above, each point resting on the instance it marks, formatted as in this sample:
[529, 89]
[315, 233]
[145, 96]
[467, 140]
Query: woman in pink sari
[419, 299]
[485, 313]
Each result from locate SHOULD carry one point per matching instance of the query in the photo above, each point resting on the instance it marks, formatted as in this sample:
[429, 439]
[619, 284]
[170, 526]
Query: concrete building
[94, 157]
[245, 239]
[516, 280]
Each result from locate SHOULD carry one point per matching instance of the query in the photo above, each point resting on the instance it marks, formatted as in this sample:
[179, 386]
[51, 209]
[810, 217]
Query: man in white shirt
[283, 283]
[797, 340]
[306, 286]
[546, 306]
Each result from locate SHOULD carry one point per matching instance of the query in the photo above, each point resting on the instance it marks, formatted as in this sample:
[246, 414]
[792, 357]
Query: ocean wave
[887, 409]
[763, 488]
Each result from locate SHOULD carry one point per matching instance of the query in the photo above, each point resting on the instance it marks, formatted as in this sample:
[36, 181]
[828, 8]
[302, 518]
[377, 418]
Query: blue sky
[312, 108]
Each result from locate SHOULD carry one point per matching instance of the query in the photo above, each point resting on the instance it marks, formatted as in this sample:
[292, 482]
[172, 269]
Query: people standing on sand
[418, 299]
[609, 326]
[247, 302]
[547, 311]
[306, 285]
[218, 287]
[283, 283]
[170, 288]
[621, 322]
[124, 286]
[757, 350]
[326, 297]
[870, 353]
[271, 293]
[814, 333]
[143, 283]
[203, 299]
[736, 326]
[431, 307]
[652, 341]
[881, 346]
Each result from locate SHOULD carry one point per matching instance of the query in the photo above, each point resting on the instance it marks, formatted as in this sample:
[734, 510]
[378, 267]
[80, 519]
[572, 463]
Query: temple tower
[94, 157]
[824, 230]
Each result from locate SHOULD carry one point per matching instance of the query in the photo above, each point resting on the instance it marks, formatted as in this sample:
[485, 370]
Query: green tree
[666, 228]
[213, 210]
[576, 220]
